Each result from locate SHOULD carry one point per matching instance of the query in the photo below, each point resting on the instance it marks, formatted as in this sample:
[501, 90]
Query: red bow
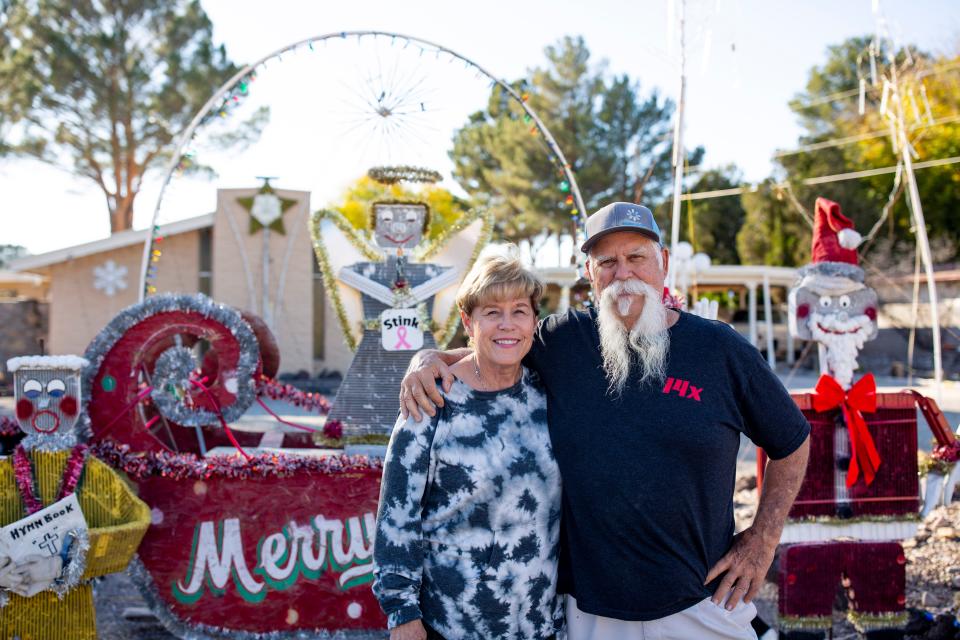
[862, 396]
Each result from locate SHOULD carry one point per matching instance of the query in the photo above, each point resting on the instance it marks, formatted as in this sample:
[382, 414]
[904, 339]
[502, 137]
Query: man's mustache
[633, 286]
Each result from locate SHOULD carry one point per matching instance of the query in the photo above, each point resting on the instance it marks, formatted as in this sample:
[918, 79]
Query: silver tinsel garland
[70, 578]
[833, 269]
[60, 440]
[76, 564]
[168, 405]
[187, 631]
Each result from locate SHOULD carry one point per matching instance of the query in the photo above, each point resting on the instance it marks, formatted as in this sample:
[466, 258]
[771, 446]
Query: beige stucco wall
[78, 310]
[16, 286]
[238, 270]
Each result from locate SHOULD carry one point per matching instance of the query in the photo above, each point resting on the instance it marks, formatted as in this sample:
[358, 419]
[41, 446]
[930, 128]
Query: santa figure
[46, 568]
[860, 493]
[831, 304]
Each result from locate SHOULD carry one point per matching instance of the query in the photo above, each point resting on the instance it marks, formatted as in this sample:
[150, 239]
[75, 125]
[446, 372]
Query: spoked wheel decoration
[392, 108]
[171, 362]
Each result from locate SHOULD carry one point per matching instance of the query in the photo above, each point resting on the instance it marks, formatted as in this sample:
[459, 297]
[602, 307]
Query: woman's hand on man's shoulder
[419, 391]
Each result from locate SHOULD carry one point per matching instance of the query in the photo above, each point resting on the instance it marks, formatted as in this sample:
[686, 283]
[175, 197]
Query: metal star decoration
[266, 209]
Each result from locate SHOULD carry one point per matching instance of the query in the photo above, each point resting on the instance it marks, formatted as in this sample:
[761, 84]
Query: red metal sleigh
[263, 543]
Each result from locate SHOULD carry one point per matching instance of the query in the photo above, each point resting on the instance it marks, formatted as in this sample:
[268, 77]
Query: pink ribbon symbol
[402, 339]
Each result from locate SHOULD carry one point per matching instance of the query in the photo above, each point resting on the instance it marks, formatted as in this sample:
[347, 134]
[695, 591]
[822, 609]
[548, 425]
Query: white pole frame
[678, 155]
[187, 135]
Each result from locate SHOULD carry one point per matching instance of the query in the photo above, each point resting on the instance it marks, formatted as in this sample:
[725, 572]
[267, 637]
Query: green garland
[326, 272]
[864, 622]
[327, 442]
[835, 521]
[927, 463]
[353, 234]
[805, 623]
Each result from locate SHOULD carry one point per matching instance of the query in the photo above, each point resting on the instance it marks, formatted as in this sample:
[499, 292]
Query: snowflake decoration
[110, 278]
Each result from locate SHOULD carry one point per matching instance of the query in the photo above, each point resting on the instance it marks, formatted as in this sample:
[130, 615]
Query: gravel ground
[114, 594]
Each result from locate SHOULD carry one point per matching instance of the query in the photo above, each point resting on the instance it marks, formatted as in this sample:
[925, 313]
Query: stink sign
[400, 330]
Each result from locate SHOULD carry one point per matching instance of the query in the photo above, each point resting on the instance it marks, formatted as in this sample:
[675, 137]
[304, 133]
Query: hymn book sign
[43, 532]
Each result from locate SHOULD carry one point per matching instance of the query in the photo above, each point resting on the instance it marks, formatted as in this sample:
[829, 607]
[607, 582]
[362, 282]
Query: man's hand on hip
[418, 391]
[752, 551]
[746, 565]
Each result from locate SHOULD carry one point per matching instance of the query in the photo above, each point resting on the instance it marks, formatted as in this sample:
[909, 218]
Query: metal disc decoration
[395, 101]
[169, 362]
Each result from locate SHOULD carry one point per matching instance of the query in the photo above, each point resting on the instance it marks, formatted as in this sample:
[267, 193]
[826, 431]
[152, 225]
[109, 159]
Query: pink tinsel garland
[288, 393]
[187, 466]
[9, 427]
[947, 452]
[23, 473]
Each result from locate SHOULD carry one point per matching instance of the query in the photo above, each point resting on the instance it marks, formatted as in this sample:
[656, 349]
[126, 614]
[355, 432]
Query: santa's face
[47, 400]
[399, 225]
[838, 317]
[841, 322]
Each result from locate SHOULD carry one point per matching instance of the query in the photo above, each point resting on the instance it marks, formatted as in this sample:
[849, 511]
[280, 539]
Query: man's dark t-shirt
[648, 477]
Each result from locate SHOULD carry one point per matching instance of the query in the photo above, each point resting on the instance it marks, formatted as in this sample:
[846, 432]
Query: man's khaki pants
[702, 621]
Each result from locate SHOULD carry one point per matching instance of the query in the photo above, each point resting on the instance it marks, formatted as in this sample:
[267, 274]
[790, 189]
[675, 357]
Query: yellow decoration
[113, 541]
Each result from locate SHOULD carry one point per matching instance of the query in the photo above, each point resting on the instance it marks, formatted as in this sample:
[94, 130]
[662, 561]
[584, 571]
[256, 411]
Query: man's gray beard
[648, 339]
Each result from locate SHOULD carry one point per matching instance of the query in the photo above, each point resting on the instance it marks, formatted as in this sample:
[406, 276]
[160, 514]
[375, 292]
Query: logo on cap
[635, 215]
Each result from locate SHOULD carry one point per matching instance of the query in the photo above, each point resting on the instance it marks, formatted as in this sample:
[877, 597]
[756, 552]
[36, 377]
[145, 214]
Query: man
[645, 408]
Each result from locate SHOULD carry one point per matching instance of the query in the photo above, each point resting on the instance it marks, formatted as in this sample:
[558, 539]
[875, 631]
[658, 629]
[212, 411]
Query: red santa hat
[834, 265]
[834, 238]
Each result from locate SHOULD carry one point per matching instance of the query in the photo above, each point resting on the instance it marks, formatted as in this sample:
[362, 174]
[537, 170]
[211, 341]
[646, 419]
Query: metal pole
[678, 152]
[265, 284]
[768, 321]
[922, 240]
[924, 243]
[914, 311]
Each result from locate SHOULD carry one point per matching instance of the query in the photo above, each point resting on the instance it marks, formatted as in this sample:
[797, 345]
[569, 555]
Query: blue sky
[746, 59]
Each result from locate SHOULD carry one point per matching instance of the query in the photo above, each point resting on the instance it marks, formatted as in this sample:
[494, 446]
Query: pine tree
[103, 88]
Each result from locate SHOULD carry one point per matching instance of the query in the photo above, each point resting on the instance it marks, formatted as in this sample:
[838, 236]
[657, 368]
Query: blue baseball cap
[620, 216]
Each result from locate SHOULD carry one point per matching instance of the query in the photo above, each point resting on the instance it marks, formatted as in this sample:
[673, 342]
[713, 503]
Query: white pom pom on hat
[849, 238]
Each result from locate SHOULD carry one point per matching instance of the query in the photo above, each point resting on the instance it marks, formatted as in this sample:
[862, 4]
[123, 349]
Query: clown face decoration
[831, 304]
[47, 394]
[399, 226]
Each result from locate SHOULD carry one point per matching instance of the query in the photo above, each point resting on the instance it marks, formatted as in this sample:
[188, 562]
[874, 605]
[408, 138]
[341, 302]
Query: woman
[468, 523]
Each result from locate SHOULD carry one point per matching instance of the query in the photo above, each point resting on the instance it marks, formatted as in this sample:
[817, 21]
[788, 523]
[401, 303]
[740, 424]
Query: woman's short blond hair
[498, 275]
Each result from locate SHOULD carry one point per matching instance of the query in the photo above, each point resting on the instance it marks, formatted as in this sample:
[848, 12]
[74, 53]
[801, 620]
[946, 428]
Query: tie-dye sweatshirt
[468, 523]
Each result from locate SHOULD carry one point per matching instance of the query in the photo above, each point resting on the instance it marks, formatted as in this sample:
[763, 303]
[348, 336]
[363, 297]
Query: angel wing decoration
[337, 244]
[392, 299]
